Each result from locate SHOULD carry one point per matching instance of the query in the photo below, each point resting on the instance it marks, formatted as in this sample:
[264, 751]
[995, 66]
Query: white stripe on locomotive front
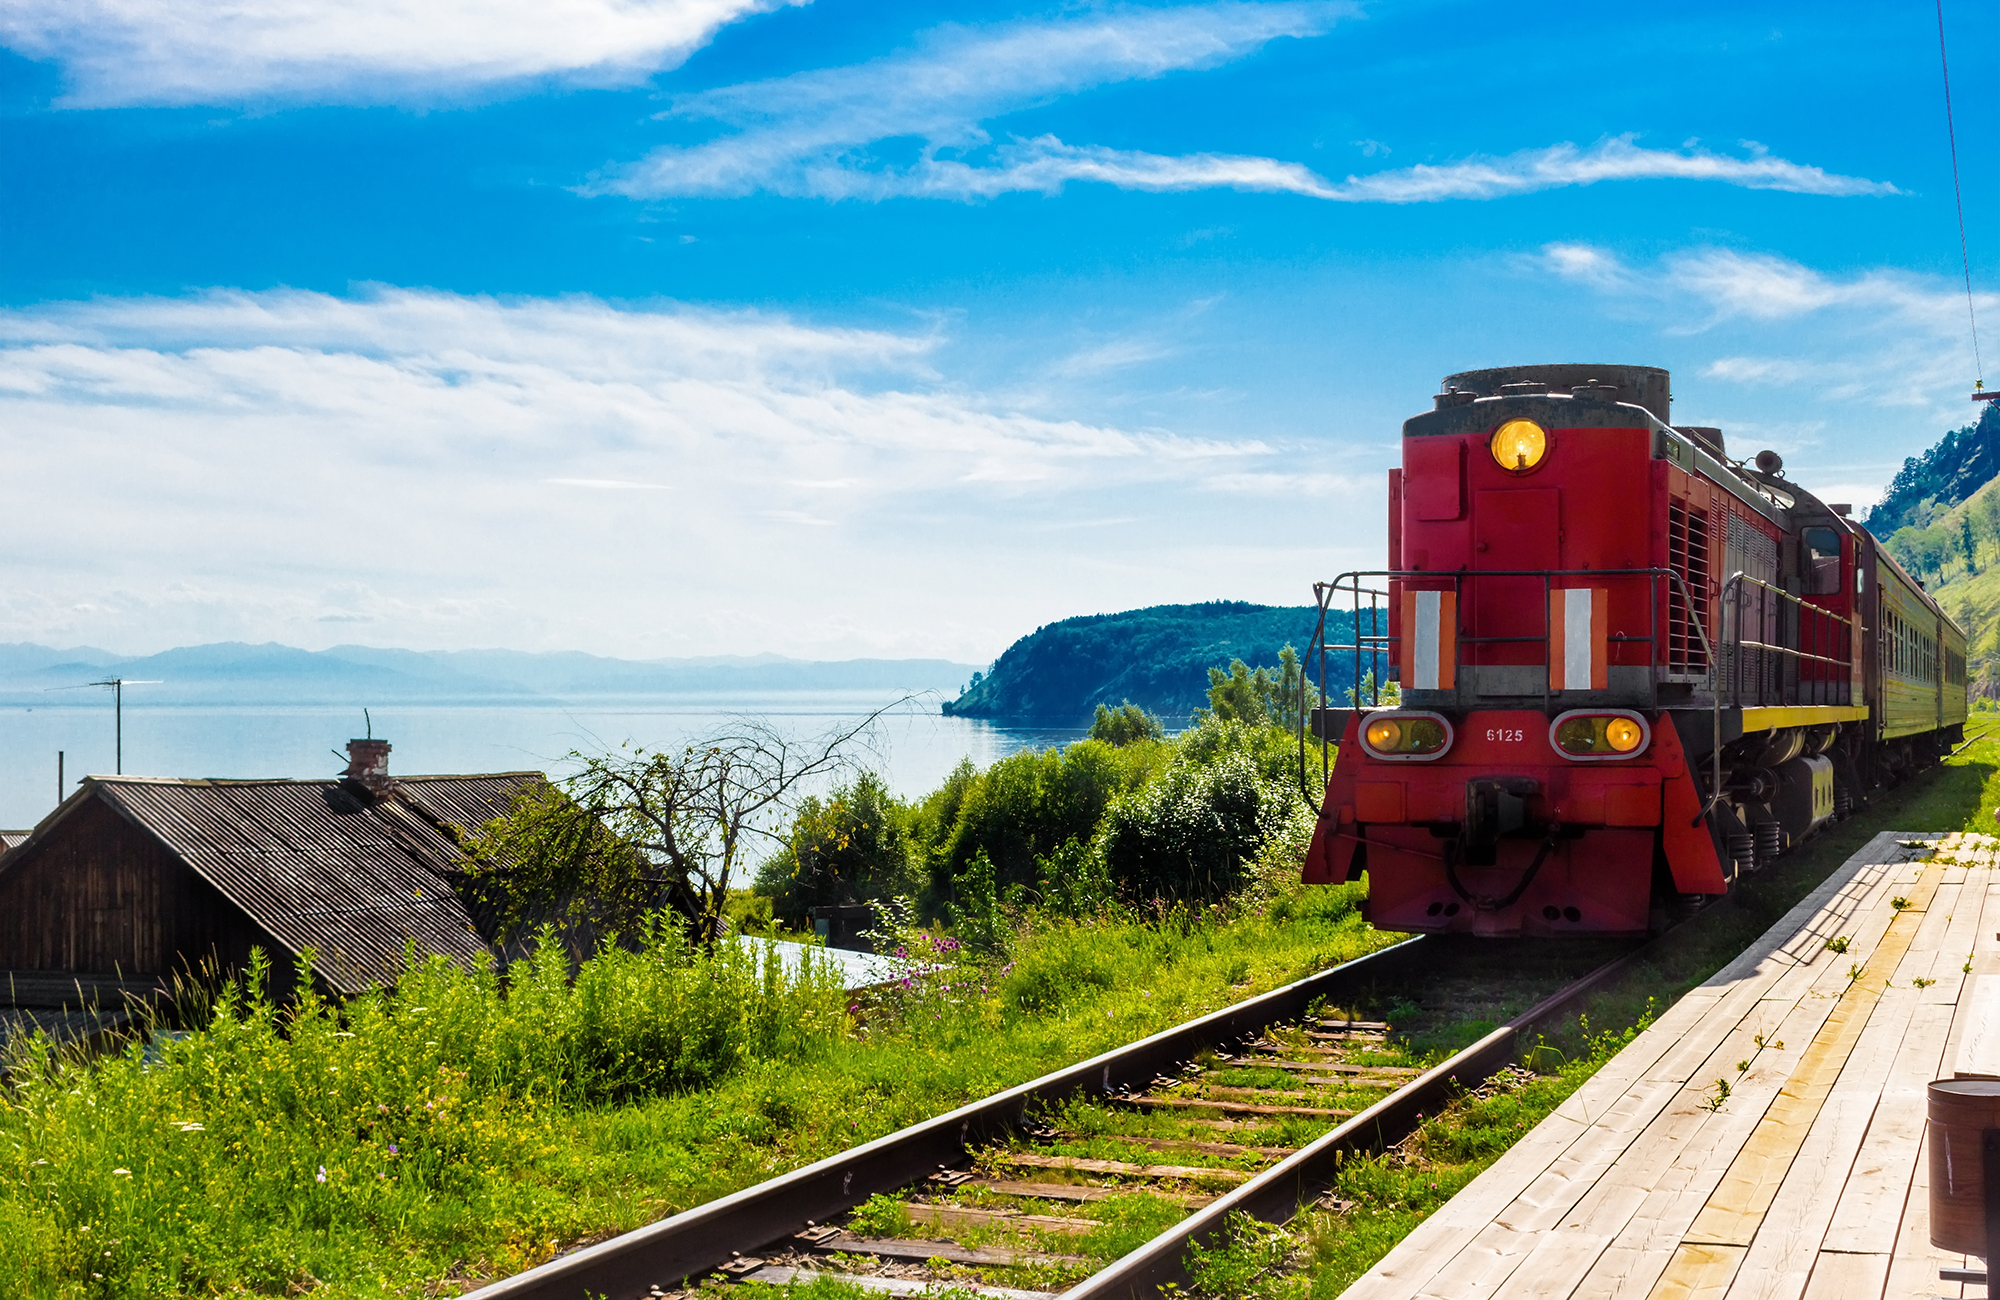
[1577, 644]
[1428, 613]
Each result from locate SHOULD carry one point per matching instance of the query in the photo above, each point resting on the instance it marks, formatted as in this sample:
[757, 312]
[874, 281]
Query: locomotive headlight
[1623, 735]
[1383, 733]
[1406, 735]
[1519, 445]
[1599, 734]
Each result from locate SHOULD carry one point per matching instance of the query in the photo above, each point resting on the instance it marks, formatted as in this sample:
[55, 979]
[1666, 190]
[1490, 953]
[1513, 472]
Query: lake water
[913, 748]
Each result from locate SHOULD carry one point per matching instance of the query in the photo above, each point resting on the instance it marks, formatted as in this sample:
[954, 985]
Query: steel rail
[1281, 1191]
[699, 1239]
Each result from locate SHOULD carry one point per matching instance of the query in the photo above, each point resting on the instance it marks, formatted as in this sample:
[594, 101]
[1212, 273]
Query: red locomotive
[1631, 669]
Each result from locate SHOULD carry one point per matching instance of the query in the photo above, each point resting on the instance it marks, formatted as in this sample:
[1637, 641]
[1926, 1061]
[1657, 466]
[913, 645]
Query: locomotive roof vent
[1705, 437]
[1645, 386]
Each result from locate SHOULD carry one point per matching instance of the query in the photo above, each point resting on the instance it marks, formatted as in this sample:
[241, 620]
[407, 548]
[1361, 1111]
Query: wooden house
[134, 878]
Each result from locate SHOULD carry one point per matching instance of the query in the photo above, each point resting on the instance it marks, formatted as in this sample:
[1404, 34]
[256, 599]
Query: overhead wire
[1964, 256]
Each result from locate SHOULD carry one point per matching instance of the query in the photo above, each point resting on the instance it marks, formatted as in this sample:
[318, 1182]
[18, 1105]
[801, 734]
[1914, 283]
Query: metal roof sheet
[325, 865]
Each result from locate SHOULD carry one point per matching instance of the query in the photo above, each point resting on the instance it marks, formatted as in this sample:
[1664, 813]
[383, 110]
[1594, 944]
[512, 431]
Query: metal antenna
[117, 685]
[371, 723]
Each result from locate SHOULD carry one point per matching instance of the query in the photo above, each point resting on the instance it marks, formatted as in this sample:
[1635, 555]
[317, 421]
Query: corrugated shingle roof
[325, 865]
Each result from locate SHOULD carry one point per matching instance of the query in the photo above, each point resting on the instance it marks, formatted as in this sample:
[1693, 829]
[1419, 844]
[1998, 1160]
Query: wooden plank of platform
[1563, 1159]
[1638, 1185]
[1789, 1236]
[1871, 1203]
[1747, 1190]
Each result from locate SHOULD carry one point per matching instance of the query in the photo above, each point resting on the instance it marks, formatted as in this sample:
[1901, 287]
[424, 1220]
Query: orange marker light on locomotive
[1405, 736]
[1582, 733]
[1519, 445]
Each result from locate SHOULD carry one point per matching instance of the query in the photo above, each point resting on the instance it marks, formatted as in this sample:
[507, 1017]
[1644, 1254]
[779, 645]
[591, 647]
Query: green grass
[1320, 1253]
[442, 1133]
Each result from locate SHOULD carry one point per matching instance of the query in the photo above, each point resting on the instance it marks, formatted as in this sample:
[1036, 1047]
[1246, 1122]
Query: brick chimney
[368, 764]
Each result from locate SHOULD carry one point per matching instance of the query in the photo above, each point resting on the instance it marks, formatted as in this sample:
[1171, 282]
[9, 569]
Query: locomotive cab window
[1822, 555]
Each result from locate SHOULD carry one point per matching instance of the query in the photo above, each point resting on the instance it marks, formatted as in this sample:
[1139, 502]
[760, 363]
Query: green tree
[1125, 725]
[1968, 546]
[1988, 510]
[1921, 550]
[848, 847]
[1367, 696]
[634, 830]
[1261, 696]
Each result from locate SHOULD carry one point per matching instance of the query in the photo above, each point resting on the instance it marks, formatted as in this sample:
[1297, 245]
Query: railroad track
[1020, 1194]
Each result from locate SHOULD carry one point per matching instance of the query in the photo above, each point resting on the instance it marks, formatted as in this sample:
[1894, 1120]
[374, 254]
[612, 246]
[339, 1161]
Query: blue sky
[701, 326]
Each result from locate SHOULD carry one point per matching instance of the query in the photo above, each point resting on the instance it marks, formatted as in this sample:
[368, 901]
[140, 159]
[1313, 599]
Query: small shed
[134, 878]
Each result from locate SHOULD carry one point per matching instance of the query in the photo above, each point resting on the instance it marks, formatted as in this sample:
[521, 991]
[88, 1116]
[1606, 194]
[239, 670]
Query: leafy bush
[849, 847]
[1026, 806]
[1125, 724]
[1191, 832]
[1074, 882]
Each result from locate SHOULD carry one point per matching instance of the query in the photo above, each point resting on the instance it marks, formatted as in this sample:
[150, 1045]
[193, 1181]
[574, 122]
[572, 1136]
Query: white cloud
[1880, 336]
[445, 470]
[1617, 159]
[798, 134]
[740, 164]
[1115, 354]
[914, 125]
[123, 52]
[1763, 287]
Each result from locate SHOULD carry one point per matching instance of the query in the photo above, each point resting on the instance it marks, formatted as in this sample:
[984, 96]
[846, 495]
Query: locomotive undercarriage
[1780, 786]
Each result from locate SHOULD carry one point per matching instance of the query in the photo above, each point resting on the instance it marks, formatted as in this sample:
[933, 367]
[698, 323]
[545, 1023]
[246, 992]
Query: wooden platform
[1808, 1181]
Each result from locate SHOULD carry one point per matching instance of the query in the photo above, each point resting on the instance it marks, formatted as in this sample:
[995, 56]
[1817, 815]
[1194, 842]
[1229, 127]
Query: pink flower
[322, 1175]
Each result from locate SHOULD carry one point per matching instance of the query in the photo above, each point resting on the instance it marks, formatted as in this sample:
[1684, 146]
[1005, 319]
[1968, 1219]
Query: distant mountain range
[235, 672]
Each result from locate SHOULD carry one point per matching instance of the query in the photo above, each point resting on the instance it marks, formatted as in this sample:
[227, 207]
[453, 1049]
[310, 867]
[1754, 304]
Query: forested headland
[1157, 658]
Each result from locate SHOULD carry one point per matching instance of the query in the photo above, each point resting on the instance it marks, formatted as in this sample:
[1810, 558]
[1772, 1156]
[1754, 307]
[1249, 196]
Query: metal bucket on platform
[1965, 1166]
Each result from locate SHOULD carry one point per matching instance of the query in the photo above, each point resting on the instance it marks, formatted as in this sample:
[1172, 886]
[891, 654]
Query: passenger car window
[1822, 562]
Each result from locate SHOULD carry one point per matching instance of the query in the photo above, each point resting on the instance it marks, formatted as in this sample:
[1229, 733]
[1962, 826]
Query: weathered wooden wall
[104, 896]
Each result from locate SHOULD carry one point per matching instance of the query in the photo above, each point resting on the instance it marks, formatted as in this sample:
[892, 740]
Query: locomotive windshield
[1822, 561]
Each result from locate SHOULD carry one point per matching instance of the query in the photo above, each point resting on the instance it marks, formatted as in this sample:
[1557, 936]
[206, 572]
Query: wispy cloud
[125, 52]
[1617, 159]
[1884, 336]
[1735, 285]
[494, 472]
[920, 125]
[1115, 354]
[808, 133]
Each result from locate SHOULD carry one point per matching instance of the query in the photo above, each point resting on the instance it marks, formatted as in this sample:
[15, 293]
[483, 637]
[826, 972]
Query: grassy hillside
[1943, 477]
[1157, 657]
[1967, 585]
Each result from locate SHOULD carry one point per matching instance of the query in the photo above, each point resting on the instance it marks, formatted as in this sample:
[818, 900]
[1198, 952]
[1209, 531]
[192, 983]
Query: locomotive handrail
[1732, 597]
[1377, 645]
